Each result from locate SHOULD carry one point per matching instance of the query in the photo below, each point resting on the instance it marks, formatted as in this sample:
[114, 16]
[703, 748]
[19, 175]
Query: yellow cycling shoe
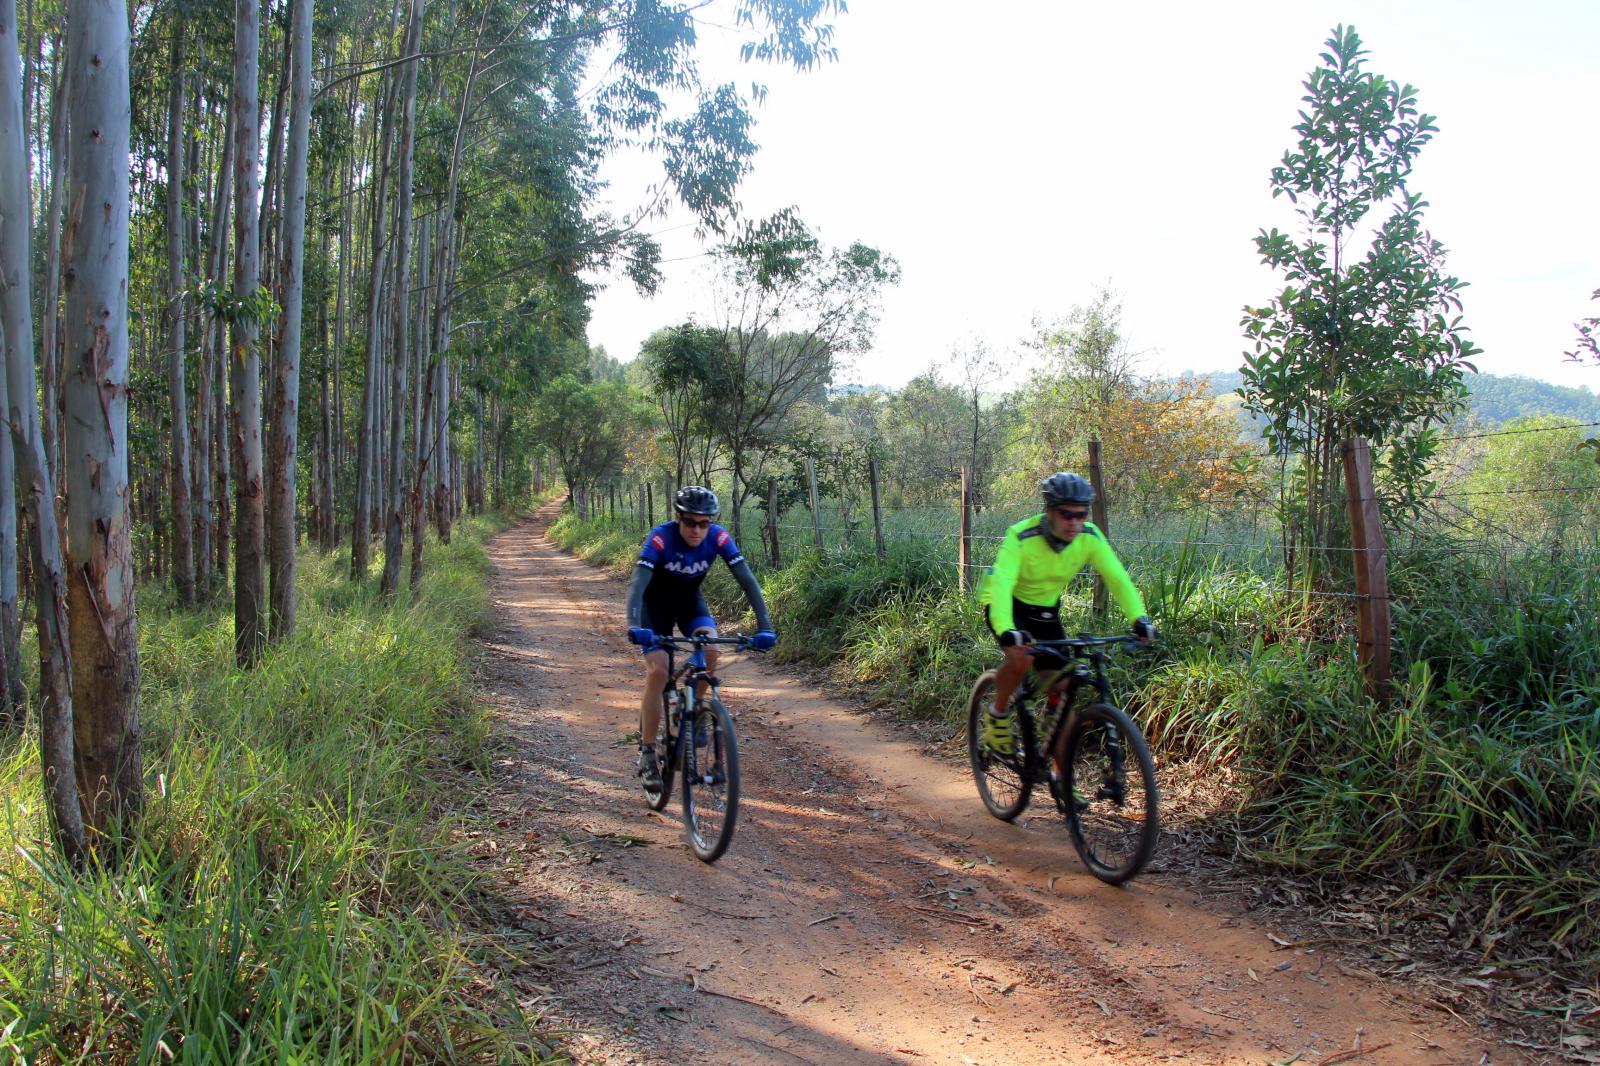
[999, 734]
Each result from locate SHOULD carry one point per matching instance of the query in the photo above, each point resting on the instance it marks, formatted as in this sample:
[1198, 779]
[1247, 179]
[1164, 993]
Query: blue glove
[642, 637]
[764, 640]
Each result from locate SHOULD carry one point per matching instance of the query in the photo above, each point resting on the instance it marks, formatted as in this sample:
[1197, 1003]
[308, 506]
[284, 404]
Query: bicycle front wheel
[1002, 782]
[1111, 801]
[710, 779]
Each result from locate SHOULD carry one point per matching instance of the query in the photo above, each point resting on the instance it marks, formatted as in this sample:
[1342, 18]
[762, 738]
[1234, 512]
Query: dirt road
[869, 910]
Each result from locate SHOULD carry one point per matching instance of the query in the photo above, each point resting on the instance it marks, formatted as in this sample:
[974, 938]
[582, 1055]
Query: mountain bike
[696, 736]
[1093, 758]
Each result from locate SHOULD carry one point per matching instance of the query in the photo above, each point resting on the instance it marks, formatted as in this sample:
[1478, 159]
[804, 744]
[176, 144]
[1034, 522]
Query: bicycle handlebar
[1082, 640]
[664, 640]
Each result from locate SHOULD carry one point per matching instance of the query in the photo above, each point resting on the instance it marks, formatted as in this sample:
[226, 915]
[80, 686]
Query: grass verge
[293, 893]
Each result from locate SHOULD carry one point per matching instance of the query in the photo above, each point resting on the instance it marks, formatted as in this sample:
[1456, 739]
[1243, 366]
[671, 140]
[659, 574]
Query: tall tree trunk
[367, 466]
[15, 224]
[421, 443]
[213, 342]
[13, 698]
[182, 519]
[50, 384]
[38, 495]
[99, 555]
[325, 426]
[249, 615]
[286, 413]
[200, 436]
[394, 526]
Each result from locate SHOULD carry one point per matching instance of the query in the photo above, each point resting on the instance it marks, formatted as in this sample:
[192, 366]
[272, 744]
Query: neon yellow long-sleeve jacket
[1035, 569]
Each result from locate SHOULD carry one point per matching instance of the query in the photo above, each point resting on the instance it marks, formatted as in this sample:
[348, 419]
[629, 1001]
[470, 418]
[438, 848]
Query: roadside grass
[293, 893]
[1477, 791]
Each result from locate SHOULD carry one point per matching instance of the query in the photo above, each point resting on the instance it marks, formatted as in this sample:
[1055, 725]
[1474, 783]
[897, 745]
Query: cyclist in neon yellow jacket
[1022, 592]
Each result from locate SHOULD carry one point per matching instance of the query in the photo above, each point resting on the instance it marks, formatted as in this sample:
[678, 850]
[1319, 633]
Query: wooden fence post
[649, 505]
[1371, 557]
[964, 561]
[1097, 479]
[877, 507]
[816, 517]
[773, 554]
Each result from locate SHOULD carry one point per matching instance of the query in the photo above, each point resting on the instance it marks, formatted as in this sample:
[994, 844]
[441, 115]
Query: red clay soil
[869, 910]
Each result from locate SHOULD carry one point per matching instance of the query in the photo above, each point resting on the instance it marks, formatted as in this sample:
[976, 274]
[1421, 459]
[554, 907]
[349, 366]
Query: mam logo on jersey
[680, 569]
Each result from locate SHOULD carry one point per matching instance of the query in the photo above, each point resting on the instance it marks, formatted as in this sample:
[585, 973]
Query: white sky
[1015, 156]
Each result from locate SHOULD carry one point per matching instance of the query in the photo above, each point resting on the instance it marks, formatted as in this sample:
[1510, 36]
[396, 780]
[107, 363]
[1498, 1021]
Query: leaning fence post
[816, 517]
[1371, 556]
[964, 560]
[1098, 480]
[877, 507]
[773, 554]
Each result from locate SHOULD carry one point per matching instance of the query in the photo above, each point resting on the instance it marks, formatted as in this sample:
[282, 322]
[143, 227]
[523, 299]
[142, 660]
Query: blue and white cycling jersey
[677, 569]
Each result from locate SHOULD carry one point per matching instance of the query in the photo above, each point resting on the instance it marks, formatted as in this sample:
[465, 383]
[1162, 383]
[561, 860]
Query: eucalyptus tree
[394, 523]
[49, 332]
[99, 544]
[291, 272]
[35, 480]
[249, 614]
[13, 696]
[367, 461]
[183, 568]
[1366, 337]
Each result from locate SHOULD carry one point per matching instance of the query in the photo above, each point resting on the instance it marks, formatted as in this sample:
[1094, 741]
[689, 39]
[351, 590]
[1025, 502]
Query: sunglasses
[1070, 516]
[704, 523]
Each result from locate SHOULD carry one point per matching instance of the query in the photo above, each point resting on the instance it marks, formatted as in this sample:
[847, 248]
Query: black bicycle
[696, 735]
[1093, 757]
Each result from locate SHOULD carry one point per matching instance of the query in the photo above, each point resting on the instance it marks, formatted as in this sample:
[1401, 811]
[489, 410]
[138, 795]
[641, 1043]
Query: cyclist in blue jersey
[673, 563]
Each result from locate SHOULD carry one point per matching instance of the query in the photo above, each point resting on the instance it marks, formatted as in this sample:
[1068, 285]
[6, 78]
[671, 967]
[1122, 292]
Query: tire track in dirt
[869, 909]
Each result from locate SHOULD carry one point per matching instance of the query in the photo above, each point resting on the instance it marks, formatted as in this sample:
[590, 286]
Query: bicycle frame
[686, 679]
[1085, 665]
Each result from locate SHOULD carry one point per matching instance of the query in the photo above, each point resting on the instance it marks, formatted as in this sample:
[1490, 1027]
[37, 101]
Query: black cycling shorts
[1041, 623]
[685, 613]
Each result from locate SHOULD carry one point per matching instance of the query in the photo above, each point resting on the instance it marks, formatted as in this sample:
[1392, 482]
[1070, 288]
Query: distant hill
[1495, 399]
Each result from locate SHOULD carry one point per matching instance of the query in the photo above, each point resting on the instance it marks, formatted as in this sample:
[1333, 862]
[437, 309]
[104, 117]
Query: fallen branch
[959, 917]
[1346, 1056]
[698, 987]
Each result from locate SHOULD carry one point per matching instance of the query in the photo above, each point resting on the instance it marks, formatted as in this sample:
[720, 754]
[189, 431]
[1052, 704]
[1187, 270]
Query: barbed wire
[1517, 432]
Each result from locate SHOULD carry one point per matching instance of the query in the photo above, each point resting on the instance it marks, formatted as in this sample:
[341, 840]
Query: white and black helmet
[1066, 488]
[695, 499]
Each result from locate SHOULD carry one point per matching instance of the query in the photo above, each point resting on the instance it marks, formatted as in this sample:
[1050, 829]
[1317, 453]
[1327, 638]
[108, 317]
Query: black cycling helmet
[1066, 488]
[694, 499]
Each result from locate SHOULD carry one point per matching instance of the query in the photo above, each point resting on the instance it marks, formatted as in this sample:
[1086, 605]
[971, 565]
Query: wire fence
[1485, 544]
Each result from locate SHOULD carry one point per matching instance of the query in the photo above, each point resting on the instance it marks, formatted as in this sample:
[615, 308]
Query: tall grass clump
[291, 894]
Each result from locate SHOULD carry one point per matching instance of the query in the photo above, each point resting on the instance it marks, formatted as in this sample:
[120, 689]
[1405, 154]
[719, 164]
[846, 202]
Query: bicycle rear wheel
[710, 779]
[1112, 803]
[1002, 783]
